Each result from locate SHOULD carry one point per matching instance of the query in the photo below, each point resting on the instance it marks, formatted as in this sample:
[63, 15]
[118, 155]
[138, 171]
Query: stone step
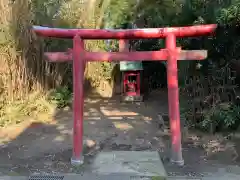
[130, 163]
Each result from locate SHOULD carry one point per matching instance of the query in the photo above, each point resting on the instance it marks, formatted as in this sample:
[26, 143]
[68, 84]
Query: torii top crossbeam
[145, 33]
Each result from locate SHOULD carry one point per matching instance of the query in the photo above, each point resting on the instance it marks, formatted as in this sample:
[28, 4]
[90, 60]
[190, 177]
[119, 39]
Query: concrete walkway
[112, 126]
[121, 177]
[124, 165]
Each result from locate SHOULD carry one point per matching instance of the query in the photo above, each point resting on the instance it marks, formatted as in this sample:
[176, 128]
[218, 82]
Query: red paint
[134, 85]
[125, 33]
[78, 99]
[171, 54]
[173, 98]
[58, 56]
[123, 45]
[128, 56]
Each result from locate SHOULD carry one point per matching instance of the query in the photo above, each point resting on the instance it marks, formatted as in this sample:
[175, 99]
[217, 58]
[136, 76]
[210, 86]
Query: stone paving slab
[106, 177]
[13, 178]
[132, 163]
[102, 177]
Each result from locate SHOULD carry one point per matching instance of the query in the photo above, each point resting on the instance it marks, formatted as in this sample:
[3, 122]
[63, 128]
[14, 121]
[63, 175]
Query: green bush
[222, 117]
[61, 96]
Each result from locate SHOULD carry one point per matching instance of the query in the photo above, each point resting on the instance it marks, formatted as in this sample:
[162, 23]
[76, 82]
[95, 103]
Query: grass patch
[36, 106]
[157, 178]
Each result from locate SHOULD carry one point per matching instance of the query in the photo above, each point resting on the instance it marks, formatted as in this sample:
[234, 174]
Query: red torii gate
[171, 54]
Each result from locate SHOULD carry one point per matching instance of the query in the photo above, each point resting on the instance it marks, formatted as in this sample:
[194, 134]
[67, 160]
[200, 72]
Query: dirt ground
[30, 148]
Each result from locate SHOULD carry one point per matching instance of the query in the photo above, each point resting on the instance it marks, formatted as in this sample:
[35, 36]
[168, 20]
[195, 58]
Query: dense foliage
[223, 49]
[24, 71]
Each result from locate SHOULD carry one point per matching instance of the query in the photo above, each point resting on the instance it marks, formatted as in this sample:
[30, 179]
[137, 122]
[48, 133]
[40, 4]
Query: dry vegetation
[26, 79]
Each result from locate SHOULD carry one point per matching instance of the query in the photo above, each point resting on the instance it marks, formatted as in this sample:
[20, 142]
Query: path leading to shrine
[110, 126]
